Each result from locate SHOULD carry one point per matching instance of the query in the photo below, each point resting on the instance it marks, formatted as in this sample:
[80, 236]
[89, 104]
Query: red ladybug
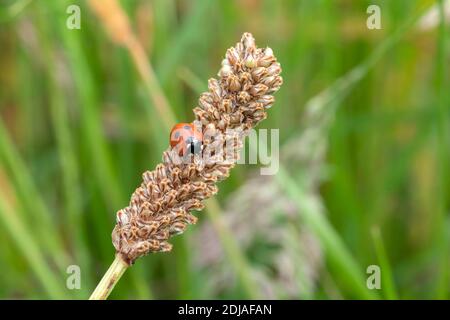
[187, 138]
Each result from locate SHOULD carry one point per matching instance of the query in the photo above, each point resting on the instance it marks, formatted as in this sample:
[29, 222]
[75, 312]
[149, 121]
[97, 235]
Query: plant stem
[109, 280]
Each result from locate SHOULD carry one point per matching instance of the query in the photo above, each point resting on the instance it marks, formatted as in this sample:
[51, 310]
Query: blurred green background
[364, 142]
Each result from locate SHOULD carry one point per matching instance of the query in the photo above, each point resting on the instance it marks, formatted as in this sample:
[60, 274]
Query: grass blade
[387, 279]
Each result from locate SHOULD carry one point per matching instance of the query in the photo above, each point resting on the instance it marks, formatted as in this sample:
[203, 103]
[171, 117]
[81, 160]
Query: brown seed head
[234, 104]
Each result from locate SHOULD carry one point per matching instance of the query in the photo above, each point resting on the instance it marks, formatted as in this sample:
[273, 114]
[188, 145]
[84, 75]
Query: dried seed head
[160, 207]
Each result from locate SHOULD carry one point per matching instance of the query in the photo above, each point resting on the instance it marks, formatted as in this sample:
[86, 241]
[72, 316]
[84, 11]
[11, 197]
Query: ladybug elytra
[187, 138]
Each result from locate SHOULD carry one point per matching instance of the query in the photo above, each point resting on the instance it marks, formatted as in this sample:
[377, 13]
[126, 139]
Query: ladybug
[187, 138]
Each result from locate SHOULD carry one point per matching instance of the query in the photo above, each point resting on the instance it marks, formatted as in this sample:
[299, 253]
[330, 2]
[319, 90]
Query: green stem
[110, 279]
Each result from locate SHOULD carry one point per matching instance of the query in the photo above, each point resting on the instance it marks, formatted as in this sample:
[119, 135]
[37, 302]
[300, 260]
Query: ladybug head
[194, 145]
